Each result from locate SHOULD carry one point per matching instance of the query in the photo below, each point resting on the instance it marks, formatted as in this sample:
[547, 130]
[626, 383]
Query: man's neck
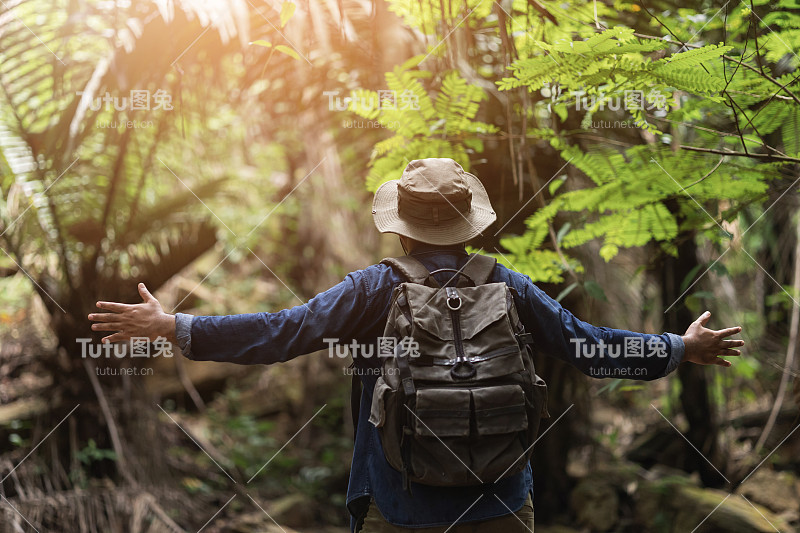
[424, 248]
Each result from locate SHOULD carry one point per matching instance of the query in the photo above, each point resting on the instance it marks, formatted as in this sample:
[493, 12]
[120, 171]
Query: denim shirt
[356, 310]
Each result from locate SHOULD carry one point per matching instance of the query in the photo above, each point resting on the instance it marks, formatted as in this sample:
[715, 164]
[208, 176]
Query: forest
[643, 160]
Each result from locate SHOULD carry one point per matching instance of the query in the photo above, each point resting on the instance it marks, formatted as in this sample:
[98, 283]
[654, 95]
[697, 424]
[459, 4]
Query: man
[435, 207]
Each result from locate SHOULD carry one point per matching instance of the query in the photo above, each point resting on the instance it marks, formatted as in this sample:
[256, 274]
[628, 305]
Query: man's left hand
[704, 346]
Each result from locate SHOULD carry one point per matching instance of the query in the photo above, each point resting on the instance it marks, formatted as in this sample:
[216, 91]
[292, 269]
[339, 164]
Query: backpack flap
[500, 410]
[442, 413]
[486, 336]
[480, 307]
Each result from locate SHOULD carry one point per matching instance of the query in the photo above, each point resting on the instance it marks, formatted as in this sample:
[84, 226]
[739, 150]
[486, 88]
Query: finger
[703, 319]
[722, 362]
[103, 317]
[730, 352]
[116, 337]
[732, 343]
[110, 326]
[727, 332]
[113, 306]
[145, 294]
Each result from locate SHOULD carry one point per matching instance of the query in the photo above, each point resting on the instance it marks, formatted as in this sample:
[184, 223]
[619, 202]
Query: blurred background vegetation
[244, 185]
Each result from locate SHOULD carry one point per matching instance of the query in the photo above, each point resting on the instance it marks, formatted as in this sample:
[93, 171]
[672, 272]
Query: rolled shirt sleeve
[678, 350]
[183, 332]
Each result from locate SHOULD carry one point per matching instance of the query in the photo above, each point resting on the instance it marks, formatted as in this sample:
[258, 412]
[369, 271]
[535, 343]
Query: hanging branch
[762, 157]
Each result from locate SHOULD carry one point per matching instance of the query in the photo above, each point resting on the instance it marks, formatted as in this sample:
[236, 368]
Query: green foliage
[423, 126]
[91, 203]
[650, 192]
[612, 64]
[526, 255]
[287, 11]
[14, 438]
[253, 439]
[627, 206]
[643, 194]
[91, 453]
[251, 448]
[436, 18]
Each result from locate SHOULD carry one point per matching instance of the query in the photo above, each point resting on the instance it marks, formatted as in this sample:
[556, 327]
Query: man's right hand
[704, 346]
[146, 319]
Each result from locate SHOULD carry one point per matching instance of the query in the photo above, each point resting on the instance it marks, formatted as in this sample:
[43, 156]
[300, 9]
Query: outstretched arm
[341, 313]
[607, 352]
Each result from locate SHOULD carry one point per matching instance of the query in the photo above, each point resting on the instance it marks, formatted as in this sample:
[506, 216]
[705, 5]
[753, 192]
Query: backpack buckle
[524, 338]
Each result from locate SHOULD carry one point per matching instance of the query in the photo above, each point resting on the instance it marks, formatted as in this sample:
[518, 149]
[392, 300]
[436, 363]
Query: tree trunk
[695, 398]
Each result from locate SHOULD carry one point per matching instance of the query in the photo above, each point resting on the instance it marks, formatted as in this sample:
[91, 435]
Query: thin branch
[762, 157]
[755, 36]
[710, 130]
[122, 465]
[775, 95]
[188, 386]
[721, 159]
[728, 82]
[791, 348]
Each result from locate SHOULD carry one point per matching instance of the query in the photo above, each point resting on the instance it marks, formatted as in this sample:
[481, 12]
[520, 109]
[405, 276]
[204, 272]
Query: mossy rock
[777, 491]
[673, 506]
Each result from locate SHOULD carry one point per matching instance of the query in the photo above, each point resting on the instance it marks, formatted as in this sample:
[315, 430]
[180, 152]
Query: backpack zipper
[454, 304]
[480, 358]
[457, 339]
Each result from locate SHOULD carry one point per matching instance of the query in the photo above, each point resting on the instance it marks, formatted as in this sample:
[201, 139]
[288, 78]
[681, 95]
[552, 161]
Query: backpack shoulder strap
[411, 269]
[479, 268]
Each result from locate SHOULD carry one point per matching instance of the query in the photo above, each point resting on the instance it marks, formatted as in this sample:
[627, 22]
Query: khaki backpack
[458, 402]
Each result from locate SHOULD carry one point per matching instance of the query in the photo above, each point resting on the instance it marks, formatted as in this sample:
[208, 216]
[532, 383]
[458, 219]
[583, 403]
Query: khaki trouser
[519, 522]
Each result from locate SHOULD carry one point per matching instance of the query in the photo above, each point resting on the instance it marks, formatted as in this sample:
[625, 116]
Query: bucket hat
[435, 201]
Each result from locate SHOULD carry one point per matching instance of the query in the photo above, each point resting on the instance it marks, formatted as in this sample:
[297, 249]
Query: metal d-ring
[453, 299]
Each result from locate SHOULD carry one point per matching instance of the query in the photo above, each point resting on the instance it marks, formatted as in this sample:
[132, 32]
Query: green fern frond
[790, 132]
